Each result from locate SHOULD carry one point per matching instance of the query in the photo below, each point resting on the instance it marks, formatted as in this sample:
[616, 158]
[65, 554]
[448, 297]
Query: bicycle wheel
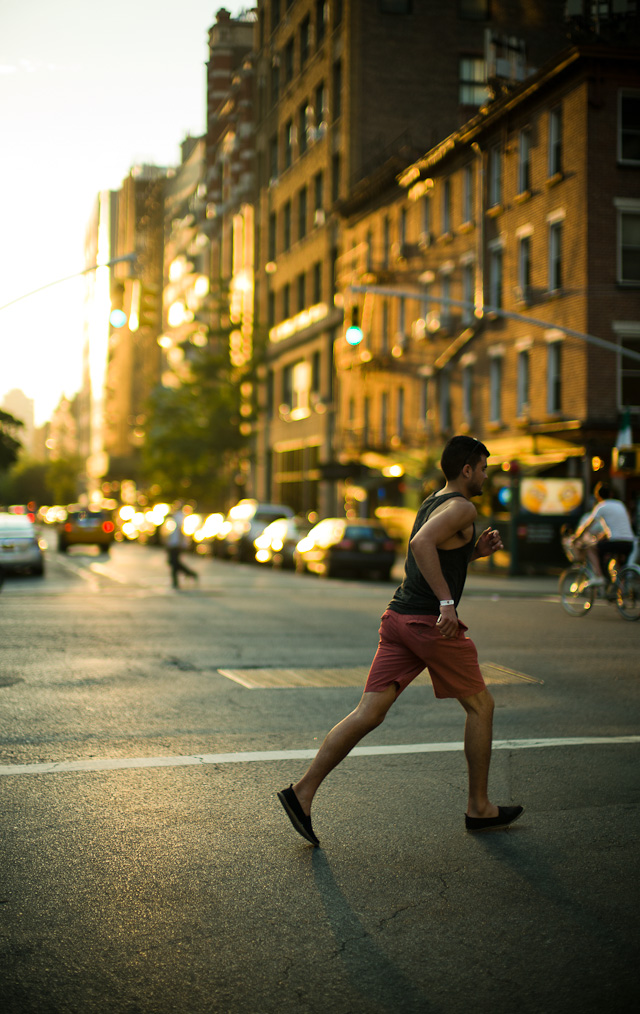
[576, 593]
[628, 598]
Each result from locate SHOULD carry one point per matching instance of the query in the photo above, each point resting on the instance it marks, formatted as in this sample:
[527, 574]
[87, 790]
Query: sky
[87, 90]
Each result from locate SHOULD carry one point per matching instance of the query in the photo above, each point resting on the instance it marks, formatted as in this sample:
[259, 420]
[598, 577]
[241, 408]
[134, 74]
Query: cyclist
[612, 516]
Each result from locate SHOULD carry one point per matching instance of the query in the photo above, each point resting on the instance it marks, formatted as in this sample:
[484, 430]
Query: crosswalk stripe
[266, 756]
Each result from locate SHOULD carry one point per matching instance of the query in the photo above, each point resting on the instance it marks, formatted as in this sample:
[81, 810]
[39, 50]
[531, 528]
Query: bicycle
[622, 585]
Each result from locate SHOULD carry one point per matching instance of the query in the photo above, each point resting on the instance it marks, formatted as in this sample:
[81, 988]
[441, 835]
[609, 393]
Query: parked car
[86, 526]
[20, 547]
[243, 524]
[277, 543]
[338, 546]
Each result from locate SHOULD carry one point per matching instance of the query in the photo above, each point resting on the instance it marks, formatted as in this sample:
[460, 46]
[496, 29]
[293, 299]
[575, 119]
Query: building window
[303, 125]
[555, 141]
[316, 361]
[424, 399]
[444, 391]
[271, 309]
[425, 230]
[288, 62]
[555, 256]
[467, 293]
[322, 18]
[629, 133]
[366, 422]
[446, 206]
[400, 412]
[305, 32]
[288, 144]
[384, 417]
[301, 287]
[472, 88]
[524, 162]
[524, 268]
[385, 327]
[302, 213]
[275, 81]
[474, 10]
[337, 89]
[335, 177]
[317, 282]
[495, 389]
[522, 394]
[495, 176]
[467, 194]
[495, 277]
[554, 377]
[628, 242]
[271, 238]
[286, 226]
[386, 242]
[467, 394]
[628, 334]
[446, 317]
[395, 6]
[317, 193]
[275, 14]
[320, 110]
[402, 230]
[286, 301]
[273, 157]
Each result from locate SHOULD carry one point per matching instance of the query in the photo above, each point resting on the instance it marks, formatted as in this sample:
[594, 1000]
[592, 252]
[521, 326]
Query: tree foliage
[193, 431]
[10, 446]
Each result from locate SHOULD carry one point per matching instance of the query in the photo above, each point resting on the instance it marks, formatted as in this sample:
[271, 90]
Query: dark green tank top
[414, 596]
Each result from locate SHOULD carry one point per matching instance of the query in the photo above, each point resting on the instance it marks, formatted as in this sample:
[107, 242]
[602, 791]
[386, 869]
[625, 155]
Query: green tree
[26, 481]
[193, 431]
[10, 446]
[62, 479]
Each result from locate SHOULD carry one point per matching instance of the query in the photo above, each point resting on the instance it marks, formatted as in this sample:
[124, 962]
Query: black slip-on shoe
[296, 814]
[506, 816]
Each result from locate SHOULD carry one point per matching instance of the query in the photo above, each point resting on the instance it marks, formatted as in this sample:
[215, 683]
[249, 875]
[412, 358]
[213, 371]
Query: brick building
[530, 208]
[342, 89]
[134, 356]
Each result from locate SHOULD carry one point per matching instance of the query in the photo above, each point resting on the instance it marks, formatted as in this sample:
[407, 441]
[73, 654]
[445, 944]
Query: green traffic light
[353, 335]
[117, 318]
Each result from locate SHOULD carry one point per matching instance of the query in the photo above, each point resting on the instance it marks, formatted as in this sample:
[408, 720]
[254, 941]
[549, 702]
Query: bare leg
[594, 560]
[477, 748]
[369, 713]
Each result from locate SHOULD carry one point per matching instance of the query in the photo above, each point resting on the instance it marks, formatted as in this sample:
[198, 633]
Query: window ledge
[495, 210]
[522, 197]
[553, 180]
[446, 237]
[466, 227]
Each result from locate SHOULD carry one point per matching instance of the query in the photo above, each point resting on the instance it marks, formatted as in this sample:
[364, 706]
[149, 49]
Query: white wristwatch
[447, 602]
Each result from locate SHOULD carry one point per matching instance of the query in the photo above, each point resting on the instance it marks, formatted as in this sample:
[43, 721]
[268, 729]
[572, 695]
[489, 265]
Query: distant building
[18, 405]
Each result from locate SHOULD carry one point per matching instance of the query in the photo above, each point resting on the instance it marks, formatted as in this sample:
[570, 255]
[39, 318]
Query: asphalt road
[147, 867]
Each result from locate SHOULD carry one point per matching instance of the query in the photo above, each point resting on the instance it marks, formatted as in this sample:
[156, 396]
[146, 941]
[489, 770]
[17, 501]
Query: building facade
[341, 91]
[499, 284]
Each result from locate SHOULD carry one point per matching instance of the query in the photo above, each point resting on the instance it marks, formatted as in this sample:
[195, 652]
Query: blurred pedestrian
[176, 543]
[419, 629]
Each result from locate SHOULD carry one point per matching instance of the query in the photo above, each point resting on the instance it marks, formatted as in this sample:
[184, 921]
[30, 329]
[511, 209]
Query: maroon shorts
[409, 644]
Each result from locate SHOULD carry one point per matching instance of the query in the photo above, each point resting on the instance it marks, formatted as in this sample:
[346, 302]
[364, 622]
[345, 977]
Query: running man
[419, 629]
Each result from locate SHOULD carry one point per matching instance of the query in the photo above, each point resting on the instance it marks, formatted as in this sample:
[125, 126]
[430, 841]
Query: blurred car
[277, 543]
[338, 546]
[86, 526]
[243, 524]
[20, 547]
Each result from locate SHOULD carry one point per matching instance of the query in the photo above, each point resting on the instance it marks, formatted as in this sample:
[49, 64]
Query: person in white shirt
[175, 544]
[613, 516]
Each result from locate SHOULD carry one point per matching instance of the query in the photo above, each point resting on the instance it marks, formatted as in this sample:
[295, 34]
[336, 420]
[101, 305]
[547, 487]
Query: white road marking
[265, 756]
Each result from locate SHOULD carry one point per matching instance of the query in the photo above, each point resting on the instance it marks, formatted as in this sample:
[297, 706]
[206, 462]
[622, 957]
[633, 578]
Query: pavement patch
[352, 676]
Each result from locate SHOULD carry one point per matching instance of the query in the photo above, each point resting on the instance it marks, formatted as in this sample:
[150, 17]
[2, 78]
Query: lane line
[265, 756]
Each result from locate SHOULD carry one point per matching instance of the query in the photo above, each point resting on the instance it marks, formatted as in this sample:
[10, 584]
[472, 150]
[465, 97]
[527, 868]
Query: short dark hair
[603, 491]
[461, 451]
